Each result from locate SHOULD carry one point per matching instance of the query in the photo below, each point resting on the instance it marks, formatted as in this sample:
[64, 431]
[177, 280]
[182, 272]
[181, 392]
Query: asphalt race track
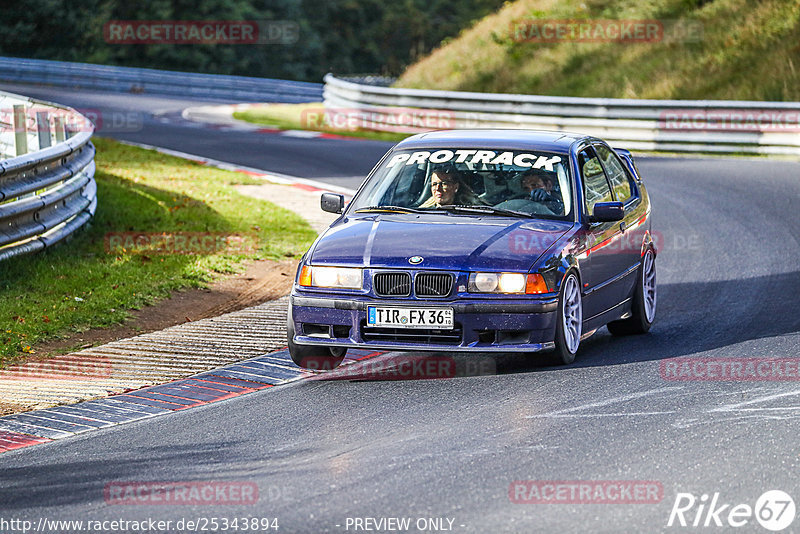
[156, 120]
[321, 451]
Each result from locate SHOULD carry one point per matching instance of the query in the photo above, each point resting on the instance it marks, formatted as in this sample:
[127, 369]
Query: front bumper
[482, 325]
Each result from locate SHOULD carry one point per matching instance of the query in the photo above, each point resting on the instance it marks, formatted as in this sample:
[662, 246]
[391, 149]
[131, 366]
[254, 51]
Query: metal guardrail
[211, 87]
[722, 126]
[47, 186]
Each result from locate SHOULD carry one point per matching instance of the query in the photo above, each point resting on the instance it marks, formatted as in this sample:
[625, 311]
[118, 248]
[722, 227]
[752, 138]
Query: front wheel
[319, 358]
[643, 307]
[570, 320]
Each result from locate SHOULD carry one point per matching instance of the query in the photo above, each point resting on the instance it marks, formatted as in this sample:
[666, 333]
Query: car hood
[450, 242]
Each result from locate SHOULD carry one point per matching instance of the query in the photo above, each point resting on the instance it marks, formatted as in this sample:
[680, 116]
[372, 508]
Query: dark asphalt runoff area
[449, 454]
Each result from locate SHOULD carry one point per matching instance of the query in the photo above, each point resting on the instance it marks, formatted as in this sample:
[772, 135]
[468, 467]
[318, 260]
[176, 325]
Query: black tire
[319, 358]
[638, 322]
[566, 349]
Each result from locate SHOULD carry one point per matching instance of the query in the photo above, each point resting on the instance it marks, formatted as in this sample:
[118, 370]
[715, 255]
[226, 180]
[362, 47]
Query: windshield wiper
[488, 210]
[396, 209]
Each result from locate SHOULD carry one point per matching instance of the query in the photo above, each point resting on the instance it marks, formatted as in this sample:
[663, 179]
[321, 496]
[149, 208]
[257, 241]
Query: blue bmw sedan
[483, 241]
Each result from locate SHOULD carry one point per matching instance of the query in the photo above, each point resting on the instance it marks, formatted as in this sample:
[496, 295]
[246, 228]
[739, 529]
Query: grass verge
[81, 285]
[729, 49]
[307, 117]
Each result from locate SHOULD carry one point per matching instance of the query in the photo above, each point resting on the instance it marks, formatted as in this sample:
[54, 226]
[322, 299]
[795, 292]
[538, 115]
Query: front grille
[433, 284]
[412, 335]
[392, 284]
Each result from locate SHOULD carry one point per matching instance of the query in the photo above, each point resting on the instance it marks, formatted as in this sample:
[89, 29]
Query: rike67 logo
[774, 510]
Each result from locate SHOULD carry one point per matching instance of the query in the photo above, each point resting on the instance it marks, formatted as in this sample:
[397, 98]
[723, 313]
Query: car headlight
[338, 277]
[516, 283]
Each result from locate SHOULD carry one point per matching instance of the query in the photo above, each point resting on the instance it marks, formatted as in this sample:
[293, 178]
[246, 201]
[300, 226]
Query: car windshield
[515, 183]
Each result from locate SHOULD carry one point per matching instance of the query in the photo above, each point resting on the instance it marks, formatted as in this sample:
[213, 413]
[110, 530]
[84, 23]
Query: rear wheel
[643, 307]
[570, 320]
[320, 358]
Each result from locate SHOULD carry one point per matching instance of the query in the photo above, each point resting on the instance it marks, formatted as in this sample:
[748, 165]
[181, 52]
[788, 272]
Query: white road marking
[767, 398]
[607, 402]
[572, 415]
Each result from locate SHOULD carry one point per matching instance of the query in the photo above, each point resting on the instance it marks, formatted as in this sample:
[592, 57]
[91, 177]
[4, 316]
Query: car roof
[541, 140]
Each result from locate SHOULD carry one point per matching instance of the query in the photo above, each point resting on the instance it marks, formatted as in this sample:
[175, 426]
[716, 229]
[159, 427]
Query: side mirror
[607, 212]
[332, 203]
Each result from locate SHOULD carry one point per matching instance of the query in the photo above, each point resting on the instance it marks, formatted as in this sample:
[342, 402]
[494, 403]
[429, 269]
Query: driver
[447, 188]
[539, 185]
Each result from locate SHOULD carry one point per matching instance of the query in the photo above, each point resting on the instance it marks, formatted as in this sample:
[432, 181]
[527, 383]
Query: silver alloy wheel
[649, 286]
[573, 314]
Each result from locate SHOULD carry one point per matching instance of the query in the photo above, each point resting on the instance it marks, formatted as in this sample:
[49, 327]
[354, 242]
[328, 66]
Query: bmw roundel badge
[415, 259]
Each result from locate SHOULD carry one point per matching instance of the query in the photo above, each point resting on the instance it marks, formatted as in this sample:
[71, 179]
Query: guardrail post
[58, 125]
[43, 126]
[62, 200]
[20, 130]
[70, 128]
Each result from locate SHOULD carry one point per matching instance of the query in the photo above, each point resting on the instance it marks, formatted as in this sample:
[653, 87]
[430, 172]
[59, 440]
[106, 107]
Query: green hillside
[744, 50]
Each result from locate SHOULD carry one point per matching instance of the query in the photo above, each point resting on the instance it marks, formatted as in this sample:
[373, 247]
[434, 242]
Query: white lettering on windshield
[398, 158]
[462, 155]
[441, 156]
[506, 158]
[488, 157]
[546, 163]
[418, 157]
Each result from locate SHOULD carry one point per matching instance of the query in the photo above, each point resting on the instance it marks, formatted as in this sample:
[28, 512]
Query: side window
[595, 185]
[620, 180]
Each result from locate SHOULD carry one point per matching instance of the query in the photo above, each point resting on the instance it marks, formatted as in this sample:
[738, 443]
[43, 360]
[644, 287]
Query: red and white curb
[241, 378]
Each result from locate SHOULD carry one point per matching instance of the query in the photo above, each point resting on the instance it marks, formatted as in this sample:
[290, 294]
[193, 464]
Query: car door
[632, 227]
[602, 261]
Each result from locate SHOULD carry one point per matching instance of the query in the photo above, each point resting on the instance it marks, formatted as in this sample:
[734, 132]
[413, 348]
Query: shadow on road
[693, 317]
[74, 482]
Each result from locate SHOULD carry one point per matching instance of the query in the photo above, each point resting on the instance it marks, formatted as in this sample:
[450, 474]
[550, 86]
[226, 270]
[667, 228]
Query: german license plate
[441, 318]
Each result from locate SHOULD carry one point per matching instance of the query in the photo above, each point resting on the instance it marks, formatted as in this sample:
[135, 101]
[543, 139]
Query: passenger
[447, 188]
[539, 186]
